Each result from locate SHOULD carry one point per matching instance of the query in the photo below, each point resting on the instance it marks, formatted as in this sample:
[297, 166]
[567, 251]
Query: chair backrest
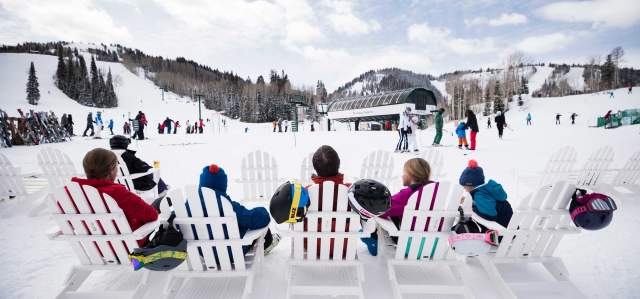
[630, 172]
[378, 165]
[330, 230]
[56, 166]
[211, 231]
[93, 224]
[11, 183]
[596, 165]
[539, 223]
[427, 221]
[436, 161]
[124, 177]
[559, 167]
[259, 176]
[306, 170]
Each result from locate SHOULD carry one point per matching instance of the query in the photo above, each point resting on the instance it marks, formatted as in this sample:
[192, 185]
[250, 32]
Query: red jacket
[136, 210]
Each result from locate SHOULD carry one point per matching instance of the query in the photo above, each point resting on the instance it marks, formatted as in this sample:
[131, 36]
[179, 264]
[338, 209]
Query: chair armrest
[388, 226]
[141, 174]
[146, 229]
[53, 232]
[252, 235]
[489, 224]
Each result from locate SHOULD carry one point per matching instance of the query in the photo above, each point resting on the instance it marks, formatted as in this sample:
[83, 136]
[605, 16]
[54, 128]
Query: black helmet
[289, 203]
[166, 251]
[369, 198]
[119, 142]
[591, 211]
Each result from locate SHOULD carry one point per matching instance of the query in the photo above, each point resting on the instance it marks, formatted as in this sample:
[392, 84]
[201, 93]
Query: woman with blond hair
[416, 174]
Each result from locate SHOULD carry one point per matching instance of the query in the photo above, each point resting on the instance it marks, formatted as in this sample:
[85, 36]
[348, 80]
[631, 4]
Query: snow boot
[274, 243]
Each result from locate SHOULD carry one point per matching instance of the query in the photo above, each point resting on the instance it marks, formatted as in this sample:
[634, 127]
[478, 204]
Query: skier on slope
[529, 119]
[472, 123]
[110, 125]
[438, 124]
[573, 118]
[90, 122]
[176, 126]
[141, 121]
[500, 123]
[489, 122]
[558, 115]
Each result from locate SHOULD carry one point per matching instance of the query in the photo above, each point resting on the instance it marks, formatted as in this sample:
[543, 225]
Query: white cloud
[547, 43]
[440, 39]
[600, 13]
[502, 20]
[343, 20]
[72, 20]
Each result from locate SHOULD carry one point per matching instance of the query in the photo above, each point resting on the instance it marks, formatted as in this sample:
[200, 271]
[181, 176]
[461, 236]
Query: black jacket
[472, 122]
[135, 165]
[500, 121]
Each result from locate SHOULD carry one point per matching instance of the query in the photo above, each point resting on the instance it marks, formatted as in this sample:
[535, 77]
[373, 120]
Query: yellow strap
[293, 213]
[159, 255]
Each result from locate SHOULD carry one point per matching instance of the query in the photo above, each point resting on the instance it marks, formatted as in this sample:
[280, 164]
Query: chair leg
[557, 269]
[173, 286]
[248, 287]
[76, 277]
[496, 278]
[395, 288]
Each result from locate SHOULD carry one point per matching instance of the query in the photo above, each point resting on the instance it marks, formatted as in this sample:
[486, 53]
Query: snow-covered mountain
[376, 81]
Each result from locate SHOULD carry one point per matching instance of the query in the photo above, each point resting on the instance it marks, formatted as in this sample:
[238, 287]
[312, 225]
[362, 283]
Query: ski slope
[602, 263]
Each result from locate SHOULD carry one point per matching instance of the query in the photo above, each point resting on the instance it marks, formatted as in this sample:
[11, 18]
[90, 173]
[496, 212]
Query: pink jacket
[399, 201]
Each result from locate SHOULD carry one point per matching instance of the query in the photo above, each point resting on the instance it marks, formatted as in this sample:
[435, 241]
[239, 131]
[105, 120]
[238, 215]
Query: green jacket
[438, 120]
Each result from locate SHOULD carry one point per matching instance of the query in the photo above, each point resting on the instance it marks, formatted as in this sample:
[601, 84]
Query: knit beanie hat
[214, 177]
[472, 175]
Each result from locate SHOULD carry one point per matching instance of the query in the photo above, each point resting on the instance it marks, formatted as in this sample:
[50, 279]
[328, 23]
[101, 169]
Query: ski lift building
[382, 106]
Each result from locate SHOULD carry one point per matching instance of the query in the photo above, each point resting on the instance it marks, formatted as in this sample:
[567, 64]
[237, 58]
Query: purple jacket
[399, 201]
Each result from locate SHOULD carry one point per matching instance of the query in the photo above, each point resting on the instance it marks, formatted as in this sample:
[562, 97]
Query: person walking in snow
[489, 122]
[201, 129]
[69, 126]
[141, 122]
[126, 128]
[412, 134]
[438, 124]
[500, 123]
[90, 123]
[188, 127]
[611, 95]
[529, 119]
[110, 126]
[286, 125]
[573, 118]
[279, 125]
[176, 126]
[275, 124]
[461, 132]
[403, 127]
[558, 118]
[472, 124]
[630, 89]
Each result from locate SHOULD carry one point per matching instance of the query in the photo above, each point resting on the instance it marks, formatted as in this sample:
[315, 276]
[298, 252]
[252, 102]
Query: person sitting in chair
[135, 165]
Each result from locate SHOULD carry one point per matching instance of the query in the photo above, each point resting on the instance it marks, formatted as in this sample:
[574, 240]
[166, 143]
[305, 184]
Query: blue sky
[334, 40]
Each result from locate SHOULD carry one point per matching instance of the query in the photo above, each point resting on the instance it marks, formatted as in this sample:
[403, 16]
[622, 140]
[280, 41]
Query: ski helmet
[166, 251]
[119, 142]
[591, 211]
[467, 237]
[369, 198]
[289, 203]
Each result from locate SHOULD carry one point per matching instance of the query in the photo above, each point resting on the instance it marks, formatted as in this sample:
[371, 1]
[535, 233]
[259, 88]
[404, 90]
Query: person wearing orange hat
[489, 199]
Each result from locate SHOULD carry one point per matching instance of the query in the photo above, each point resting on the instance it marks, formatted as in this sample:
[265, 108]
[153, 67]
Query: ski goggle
[298, 203]
[472, 244]
[594, 202]
[139, 261]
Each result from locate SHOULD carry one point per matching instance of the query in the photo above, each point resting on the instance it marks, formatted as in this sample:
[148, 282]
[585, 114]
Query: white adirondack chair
[98, 231]
[125, 178]
[626, 181]
[378, 165]
[11, 181]
[598, 163]
[56, 166]
[222, 257]
[560, 167]
[306, 170]
[315, 245]
[436, 161]
[423, 240]
[259, 177]
[535, 230]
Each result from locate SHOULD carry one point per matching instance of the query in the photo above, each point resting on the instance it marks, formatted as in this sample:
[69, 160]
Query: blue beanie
[214, 177]
[472, 175]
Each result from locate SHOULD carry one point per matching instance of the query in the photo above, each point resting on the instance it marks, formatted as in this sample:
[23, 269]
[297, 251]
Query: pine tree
[72, 92]
[84, 88]
[33, 91]
[498, 103]
[112, 100]
[95, 84]
[608, 70]
[61, 78]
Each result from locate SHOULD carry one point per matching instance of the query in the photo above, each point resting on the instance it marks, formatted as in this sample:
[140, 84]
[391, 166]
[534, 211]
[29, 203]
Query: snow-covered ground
[603, 264]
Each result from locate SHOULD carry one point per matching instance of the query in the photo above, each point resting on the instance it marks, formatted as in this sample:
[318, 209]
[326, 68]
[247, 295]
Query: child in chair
[489, 199]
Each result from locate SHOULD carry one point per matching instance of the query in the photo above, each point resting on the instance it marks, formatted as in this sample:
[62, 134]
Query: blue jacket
[490, 202]
[461, 130]
[111, 123]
